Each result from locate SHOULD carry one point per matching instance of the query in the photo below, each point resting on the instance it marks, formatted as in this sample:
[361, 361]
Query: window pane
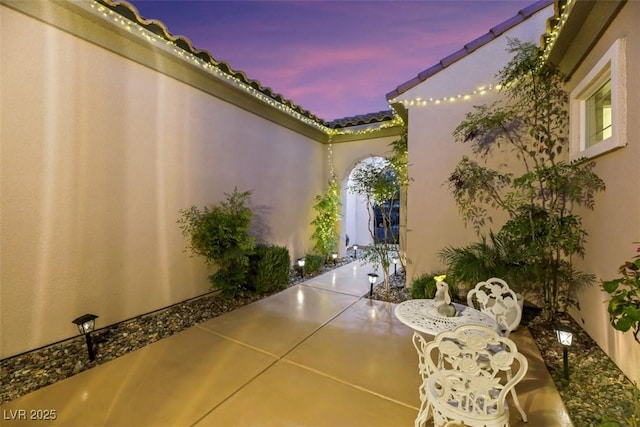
[599, 115]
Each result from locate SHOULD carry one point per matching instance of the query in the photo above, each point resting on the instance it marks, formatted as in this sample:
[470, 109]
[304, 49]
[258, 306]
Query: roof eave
[493, 33]
[576, 28]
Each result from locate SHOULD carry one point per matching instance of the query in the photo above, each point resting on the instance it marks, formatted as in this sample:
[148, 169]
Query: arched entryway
[346, 156]
[361, 224]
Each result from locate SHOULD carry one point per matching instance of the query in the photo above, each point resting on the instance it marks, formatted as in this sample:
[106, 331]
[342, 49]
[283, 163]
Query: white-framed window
[598, 106]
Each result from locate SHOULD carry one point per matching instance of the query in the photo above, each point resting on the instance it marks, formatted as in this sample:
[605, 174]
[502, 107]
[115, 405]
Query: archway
[361, 224]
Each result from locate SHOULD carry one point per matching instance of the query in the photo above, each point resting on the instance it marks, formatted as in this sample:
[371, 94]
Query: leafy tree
[531, 122]
[379, 183]
[220, 233]
[400, 161]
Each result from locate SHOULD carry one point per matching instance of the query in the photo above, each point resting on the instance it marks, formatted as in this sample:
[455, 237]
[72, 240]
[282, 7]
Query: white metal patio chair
[468, 381]
[495, 298]
[423, 414]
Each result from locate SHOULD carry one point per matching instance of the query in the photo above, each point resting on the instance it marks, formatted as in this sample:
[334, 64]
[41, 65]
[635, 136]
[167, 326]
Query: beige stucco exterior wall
[99, 154]
[615, 223]
[348, 154]
[433, 221]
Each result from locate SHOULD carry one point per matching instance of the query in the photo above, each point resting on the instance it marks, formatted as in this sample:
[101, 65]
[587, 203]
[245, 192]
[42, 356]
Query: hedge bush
[268, 268]
[313, 264]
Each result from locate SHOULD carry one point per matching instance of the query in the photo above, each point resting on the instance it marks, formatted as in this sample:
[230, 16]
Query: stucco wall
[99, 154]
[433, 221]
[615, 223]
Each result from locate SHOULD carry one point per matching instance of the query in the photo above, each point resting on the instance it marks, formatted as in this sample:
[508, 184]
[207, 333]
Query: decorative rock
[78, 367]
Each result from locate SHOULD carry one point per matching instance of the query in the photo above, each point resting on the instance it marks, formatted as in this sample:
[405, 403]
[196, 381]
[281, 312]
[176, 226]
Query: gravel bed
[30, 371]
[596, 393]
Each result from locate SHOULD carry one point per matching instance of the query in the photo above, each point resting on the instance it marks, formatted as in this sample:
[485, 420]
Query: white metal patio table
[422, 316]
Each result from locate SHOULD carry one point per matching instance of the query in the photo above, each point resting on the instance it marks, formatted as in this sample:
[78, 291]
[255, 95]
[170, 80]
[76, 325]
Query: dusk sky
[333, 58]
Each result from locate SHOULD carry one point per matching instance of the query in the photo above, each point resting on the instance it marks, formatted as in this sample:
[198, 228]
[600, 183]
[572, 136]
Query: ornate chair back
[471, 370]
[495, 298]
[423, 413]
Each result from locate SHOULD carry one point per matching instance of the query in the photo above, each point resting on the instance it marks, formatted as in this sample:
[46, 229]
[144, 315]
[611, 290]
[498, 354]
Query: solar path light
[372, 280]
[565, 337]
[86, 324]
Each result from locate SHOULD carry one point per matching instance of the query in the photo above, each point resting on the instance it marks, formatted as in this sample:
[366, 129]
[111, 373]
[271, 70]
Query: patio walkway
[316, 354]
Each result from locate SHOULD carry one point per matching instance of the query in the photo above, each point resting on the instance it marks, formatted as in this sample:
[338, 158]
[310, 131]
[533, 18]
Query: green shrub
[268, 268]
[624, 305]
[220, 233]
[313, 264]
[424, 286]
[492, 256]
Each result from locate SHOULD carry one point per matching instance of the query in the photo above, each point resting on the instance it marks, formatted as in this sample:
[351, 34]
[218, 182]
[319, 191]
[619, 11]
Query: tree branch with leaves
[379, 183]
[531, 122]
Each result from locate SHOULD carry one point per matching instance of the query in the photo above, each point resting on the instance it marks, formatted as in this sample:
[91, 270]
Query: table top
[422, 315]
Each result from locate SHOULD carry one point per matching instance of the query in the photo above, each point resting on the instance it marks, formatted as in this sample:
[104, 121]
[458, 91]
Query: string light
[171, 46]
[551, 38]
[549, 41]
[420, 102]
[332, 172]
[396, 121]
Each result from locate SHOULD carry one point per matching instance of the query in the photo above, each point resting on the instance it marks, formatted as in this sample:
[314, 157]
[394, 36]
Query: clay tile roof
[470, 47]
[506, 25]
[480, 41]
[455, 56]
[362, 119]
[131, 13]
[430, 72]
[408, 85]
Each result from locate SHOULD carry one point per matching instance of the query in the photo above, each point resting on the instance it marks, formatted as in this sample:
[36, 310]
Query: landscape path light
[334, 256]
[565, 337]
[86, 324]
[355, 251]
[301, 262]
[395, 265]
[373, 277]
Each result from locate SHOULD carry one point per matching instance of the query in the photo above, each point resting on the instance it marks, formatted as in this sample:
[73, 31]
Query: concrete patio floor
[315, 354]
